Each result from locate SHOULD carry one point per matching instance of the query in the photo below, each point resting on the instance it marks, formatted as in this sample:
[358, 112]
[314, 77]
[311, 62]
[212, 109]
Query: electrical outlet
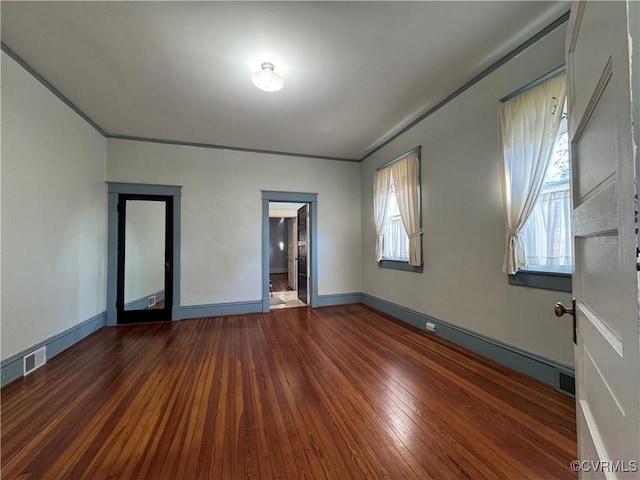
[431, 327]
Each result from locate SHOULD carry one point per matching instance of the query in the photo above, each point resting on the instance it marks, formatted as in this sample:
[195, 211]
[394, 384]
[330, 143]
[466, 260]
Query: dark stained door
[303, 251]
[145, 258]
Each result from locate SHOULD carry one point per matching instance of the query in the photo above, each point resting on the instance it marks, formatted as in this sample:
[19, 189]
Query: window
[397, 213]
[535, 184]
[546, 236]
[395, 241]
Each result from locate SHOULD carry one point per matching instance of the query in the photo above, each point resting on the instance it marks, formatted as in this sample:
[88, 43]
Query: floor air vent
[34, 360]
[566, 384]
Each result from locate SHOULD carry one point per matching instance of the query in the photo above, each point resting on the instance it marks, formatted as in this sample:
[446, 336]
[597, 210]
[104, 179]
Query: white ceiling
[355, 72]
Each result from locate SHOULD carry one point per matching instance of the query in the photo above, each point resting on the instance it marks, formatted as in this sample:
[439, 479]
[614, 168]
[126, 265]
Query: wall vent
[34, 360]
[151, 301]
[566, 384]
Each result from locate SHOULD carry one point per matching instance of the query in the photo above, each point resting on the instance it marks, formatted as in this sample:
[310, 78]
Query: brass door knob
[560, 310]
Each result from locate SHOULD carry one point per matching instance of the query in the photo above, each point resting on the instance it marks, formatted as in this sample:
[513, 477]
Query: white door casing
[605, 281]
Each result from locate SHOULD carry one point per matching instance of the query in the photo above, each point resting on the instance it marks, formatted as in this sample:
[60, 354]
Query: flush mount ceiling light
[267, 80]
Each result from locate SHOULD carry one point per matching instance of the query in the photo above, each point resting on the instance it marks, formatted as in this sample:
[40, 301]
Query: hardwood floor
[280, 282]
[339, 392]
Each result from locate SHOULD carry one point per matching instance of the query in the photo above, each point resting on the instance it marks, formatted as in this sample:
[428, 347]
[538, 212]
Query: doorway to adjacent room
[289, 253]
[288, 266]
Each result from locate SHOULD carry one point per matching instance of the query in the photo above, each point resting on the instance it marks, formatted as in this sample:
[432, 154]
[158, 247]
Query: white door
[291, 253]
[605, 280]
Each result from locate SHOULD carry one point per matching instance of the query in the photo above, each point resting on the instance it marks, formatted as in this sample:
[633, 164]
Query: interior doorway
[288, 265]
[305, 211]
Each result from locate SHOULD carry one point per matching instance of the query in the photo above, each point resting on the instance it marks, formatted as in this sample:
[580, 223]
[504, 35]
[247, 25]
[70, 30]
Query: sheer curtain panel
[406, 178]
[396, 242]
[381, 192]
[528, 126]
[547, 234]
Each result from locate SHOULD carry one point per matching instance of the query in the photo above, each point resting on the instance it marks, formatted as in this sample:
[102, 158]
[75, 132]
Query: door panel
[588, 54]
[145, 226]
[605, 279]
[587, 447]
[596, 146]
[292, 259]
[144, 264]
[303, 215]
[601, 280]
[599, 211]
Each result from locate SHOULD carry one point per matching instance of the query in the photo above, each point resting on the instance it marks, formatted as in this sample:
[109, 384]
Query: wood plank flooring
[340, 392]
[280, 282]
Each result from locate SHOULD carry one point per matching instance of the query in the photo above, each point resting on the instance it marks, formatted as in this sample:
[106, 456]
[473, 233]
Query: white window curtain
[547, 235]
[406, 178]
[381, 193]
[528, 126]
[396, 242]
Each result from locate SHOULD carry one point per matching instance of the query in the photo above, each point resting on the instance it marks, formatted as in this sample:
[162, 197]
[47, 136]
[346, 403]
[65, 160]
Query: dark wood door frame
[145, 315]
[303, 254]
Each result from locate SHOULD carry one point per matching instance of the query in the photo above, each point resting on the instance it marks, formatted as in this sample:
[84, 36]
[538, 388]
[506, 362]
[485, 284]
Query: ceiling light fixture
[267, 80]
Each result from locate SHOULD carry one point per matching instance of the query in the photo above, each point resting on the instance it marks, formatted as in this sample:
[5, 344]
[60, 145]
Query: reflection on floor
[280, 282]
[156, 306]
[285, 300]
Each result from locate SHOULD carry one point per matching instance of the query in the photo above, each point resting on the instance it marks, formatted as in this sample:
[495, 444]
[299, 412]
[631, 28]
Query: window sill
[399, 265]
[546, 280]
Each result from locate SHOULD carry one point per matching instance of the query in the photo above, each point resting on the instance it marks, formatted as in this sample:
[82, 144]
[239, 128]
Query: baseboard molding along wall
[255, 306]
[555, 374]
[558, 375]
[143, 302]
[339, 299]
[220, 309]
[11, 367]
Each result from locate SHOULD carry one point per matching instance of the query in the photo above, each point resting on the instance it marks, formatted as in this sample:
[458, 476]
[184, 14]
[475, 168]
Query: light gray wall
[222, 213]
[463, 219]
[53, 214]
[278, 233]
[52, 187]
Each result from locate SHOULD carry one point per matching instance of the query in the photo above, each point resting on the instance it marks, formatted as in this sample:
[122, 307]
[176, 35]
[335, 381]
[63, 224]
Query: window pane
[395, 242]
[547, 235]
[558, 170]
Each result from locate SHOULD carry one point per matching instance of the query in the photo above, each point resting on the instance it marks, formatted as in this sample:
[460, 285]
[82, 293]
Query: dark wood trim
[153, 314]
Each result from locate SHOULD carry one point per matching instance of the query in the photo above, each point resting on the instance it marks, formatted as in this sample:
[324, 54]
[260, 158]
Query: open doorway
[288, 266]
[307, 249]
